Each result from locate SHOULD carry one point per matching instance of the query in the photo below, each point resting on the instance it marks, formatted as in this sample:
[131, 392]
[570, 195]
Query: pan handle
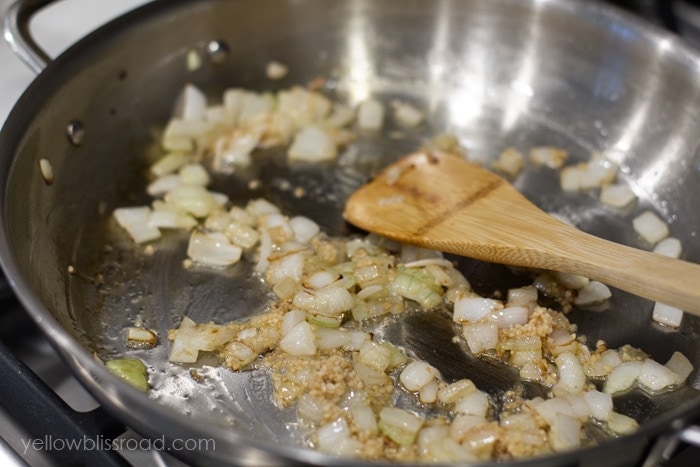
[19, 37]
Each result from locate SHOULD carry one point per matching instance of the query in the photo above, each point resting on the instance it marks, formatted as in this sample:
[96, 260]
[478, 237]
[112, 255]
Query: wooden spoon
[443, 202]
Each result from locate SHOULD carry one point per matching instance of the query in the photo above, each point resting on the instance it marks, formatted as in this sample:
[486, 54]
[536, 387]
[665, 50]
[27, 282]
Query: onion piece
[139, 337]
[473, 308]
[480, 336]
[334, 438]
[276, 70]
[667, 315]
[655, 376]
[572, 378]
[194, 174]
[304, 228]
[312, 144]
[328, 301]
[407, 115]
[549, 156]
[364, 418]
[370, 115]
[169, 163]
[310, 408]
[570, 281]
[328, 338]
[618, 195]
[600, 404]
[193, 103]
[193, 199]
[417, 374]
[565, 433]
[680, 365]
[622, 377]
[592, 293]
[511, 162]
[456, 391]
[300, 340]
[476, 403]
[621, 424]
[401, 426]
[428, 393]
[291, 319]
[191, 338]
[212, 249]
[135, 220]
[411, 287]
[670, 247]
[650, 227]
[512, 315]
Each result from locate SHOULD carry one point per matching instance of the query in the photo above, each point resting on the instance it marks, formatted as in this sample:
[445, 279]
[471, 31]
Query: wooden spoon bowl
[441, 201]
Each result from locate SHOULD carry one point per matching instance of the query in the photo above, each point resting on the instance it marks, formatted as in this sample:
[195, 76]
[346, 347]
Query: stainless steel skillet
[497, 73]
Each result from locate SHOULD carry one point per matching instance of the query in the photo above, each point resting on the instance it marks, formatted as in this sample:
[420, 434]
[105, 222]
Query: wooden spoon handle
[650, 275]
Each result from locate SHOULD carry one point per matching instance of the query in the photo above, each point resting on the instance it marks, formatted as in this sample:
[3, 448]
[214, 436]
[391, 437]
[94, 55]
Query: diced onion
[476, 403]
[370, 115]
[169, 163]
[400, 425]
[623, 377]
[655, 376]
[417, 374]
[571, 281]
[511, 162]
[680, 365]
[312, 144]
[191, 338]
[328, 339]
[291, 319]
[193, 103]
[592, 293]
[670, 247]
[650, 227]
[193, 199]
[572, 378]
[456, 391]
[407, 115]
[335, 438]
[364, 418]
[480, 336]
[136, 221]
[310, 408]
[667, 315]
[565, 433]
[194, 174]
[510, 316]
[304, 228]
[618, 195]
[428, 393]
[621, 424]
[276, 70]
[549, 156]
[300, 340]
[473, 308]
[328, 301]
[600, 404]
[212, 249]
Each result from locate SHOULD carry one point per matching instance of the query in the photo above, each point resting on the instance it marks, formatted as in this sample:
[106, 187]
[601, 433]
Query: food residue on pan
[343, 380]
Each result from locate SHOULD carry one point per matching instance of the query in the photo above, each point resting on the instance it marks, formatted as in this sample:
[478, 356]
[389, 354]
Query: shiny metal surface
[497, 73]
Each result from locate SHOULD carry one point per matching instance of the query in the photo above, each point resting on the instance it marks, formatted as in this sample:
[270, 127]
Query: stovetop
[44, 384]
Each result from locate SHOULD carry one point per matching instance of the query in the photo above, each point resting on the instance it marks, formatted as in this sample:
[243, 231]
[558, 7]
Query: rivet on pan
[76, 132]
[218, 51]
